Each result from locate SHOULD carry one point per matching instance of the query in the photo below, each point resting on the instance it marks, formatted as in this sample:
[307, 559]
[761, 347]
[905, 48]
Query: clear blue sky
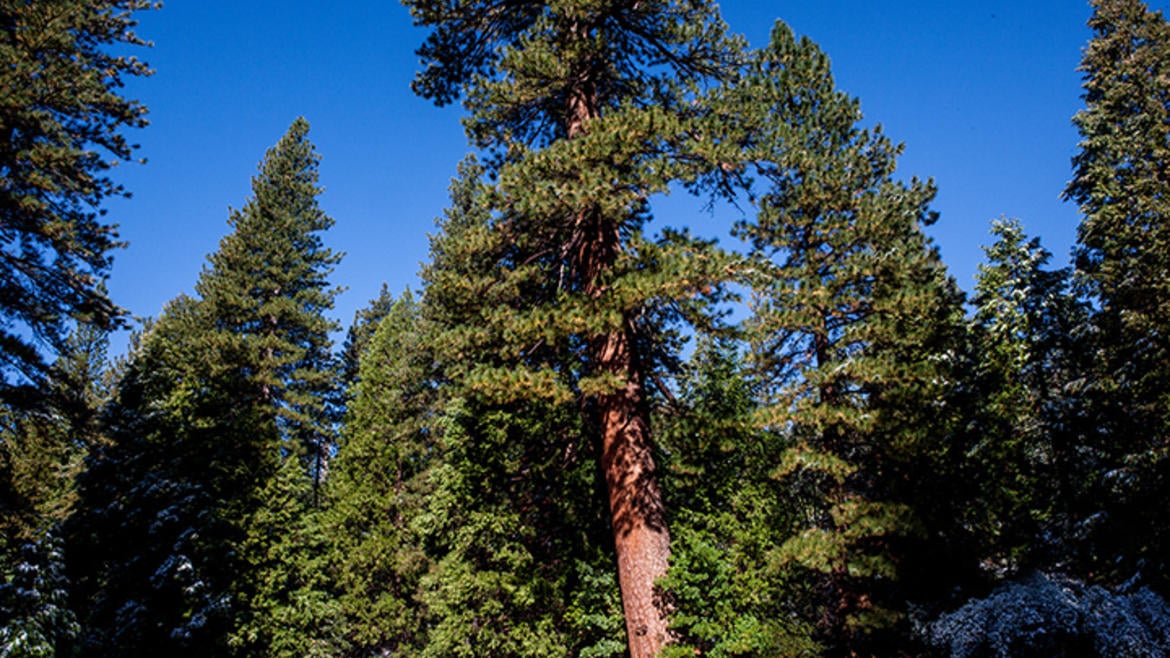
[981, 93]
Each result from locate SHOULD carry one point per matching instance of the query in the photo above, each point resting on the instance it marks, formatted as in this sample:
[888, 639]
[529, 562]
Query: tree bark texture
[641, 539]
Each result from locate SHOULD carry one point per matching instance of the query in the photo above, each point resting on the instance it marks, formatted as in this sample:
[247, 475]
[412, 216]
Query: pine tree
[152, 547]
[583, 106]
[61, 122]
[219, 394]
[729, 517]
[365, 324]
[515, 526]
[853, 316]
[38, 462]
[1121, 181]
[379, 485]
[1026, 453]
[267, 291]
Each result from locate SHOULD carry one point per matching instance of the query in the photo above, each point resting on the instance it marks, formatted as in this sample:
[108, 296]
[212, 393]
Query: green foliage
[379, 485]
[518, 70]
[854, 450]
[512, 522]
[266, 291]
[513, 525]
[290, 612]
[219, 395]
[1120, 180]
[595, 612]
[43, 447]
[38, 463]
[728, 518]
[61, 121]
[584, 110]
[853, 321]
[181, 453]
[1121, 184]
[357, 337]
[33, 603]
[1026, 450]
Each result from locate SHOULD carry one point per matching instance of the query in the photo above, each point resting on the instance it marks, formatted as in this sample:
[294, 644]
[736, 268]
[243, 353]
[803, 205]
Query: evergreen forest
[584, 436]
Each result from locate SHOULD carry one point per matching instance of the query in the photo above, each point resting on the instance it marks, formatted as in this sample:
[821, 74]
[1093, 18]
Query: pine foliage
[853, 318]
[62, 117]
[1122, 185]
[379, 486]
[582, 108]
[1028, 458]
[729, 517]
[515, 525]
[361, 330]
[34, 606]
[220, 393]
[266, 290]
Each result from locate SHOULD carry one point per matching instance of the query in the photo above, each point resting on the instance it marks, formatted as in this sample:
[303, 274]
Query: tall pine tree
[1029, 466]
[357, 337]
[516, 527]
[379, 485]
[852, 318]
[152, 546]
[582, 106]
[62, 118]
[43, 446]
[220, 394]
[267, 291]
[1121, 181]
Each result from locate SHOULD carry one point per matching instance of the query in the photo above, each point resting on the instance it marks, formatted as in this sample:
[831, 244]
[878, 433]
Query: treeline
[564, 444]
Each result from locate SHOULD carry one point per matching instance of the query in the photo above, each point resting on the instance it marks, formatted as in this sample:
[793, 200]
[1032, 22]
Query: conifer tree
[219, 394]
[1029, 463]
[266, 293]
[1121, 182]
[357, 337]
[43, 446]
[42, 449]
[515, 527]
[62, 118]
[291, 611]
[581, 105]
[379, 485]
[729, 517]
[853, 315]
[152, 547]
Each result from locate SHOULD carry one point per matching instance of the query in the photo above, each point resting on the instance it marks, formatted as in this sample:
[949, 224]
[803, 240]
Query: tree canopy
[62, 124]
[590, 432]
[220, 418]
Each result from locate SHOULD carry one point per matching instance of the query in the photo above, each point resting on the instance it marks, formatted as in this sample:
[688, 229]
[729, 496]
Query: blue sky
[981, 93]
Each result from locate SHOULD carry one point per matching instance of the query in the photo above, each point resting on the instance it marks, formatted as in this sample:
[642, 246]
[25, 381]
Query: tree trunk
[641, 539]
[640, 536]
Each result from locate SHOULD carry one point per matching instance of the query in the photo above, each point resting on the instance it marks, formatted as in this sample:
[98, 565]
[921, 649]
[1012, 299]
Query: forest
[580, 437]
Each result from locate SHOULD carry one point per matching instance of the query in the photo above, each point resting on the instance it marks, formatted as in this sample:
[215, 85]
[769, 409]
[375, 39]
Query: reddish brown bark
[641, 539]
